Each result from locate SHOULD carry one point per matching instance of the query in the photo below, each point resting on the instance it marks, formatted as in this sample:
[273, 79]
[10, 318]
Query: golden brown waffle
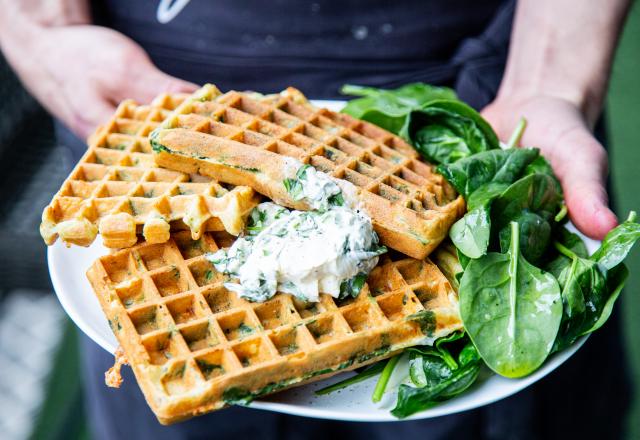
[195, 346]
[244, 140]
[117, 189]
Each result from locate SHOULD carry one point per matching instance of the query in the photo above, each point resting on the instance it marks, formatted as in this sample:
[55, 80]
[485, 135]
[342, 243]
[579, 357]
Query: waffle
[195, 346]
[242, 139]
[117, 189]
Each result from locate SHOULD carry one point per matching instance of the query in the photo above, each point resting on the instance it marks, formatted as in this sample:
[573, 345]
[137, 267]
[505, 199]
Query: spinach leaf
[618, 242]
[445, 131]
[469, 354]
[533, 202]
[472, 232]
[440, 383]
[539, 166]
[590, 286]
[583, 296]
[464, 261]
[441, 343]
[571, 241]
[484, 195]
[410, 95]
[616, 278]
[438, 373]
[542, 166]
[534, 193]
[535, 236]
[510, 309]
[481, 178]
[494, 166]
[390, 108]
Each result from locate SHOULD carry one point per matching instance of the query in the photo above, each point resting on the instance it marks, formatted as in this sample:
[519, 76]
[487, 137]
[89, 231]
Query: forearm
[564, 49]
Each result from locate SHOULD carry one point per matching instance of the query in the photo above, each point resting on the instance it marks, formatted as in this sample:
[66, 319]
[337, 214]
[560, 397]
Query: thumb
[582, 171]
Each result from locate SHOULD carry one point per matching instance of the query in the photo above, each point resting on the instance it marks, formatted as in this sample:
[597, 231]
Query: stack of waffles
[195, 346]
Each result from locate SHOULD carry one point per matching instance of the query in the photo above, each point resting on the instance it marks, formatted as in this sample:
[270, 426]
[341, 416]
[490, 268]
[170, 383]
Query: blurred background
[40, 391]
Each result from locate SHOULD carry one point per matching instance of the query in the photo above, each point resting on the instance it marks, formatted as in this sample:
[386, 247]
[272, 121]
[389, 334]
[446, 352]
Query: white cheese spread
[330, 250]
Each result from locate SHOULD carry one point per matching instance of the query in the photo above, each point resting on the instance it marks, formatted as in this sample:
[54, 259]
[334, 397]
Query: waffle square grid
[118, 190]
[412, 207]
[195, 346]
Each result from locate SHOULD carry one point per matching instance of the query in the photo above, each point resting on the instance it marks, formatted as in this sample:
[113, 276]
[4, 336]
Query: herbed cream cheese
[331, 249]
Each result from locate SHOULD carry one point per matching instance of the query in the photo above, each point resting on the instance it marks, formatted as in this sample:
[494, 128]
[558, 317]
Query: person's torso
[317, 46]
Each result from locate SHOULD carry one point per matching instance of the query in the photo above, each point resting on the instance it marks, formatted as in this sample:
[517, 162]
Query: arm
[557, 74]
[78, 71]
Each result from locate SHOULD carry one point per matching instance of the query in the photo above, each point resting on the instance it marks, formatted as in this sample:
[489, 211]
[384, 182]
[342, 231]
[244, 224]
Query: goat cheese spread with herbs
[330, 250]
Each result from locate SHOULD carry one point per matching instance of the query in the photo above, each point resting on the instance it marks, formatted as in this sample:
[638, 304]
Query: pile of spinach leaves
[528, 287]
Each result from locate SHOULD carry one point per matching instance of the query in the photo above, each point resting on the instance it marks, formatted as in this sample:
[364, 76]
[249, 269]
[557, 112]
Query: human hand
[80, 73]
[558, 128]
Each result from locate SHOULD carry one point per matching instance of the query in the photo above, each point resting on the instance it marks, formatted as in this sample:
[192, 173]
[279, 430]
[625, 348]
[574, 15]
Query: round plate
[67, 267]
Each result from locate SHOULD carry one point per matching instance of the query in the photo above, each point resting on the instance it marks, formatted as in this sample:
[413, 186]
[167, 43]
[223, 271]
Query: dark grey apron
[318, 46]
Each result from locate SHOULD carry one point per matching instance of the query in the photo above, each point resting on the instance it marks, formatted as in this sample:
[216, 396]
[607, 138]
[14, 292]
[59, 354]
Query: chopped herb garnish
[244, 329]
[301, 174]
[426, 319]
[336, 200]
[208, 368]
[352, 287]
[294, 188]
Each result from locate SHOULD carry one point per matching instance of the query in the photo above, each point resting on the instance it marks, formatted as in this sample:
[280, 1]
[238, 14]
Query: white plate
[67, 268]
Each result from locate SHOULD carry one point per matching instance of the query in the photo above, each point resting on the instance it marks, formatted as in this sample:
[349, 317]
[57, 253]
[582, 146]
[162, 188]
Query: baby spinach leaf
[390, 108]
[440, 385]
[464, 260]
[438, 373]
[616, 278]
[535, 236]
[445, 131]
[584, 295]
[411, 95]
[484, 195]
[591, 286]
[494, 166]
[571, 241]
[618, 242]
[468, 354]
[510, 309]
[534, 193]
[472, 232]
[441, 343]
[428, 371]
